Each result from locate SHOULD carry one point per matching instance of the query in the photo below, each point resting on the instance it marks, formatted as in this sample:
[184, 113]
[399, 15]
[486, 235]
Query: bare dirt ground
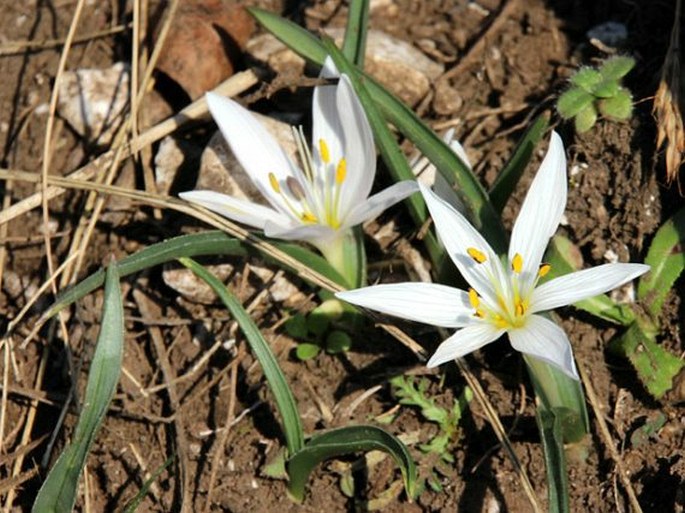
[506, 61]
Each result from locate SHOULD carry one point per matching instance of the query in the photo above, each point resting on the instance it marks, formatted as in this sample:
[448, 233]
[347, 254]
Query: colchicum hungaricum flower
[504, 295]
[319, 202]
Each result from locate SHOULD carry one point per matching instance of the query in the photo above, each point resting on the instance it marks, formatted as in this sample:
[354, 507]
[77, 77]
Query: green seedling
[598, 91]
[316, 332]
[414, 392]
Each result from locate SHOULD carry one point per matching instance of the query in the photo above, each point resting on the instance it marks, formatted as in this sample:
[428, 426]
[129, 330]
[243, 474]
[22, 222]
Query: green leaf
[585, 119]
[667, 261]
[306, 351]
[573, 101]
[565, 258]
[294, 36]
[606, 89]
[511, 173]
[619, 106]
[616, 67]
[655, 366]
[58, 493]
[354, 44]
[296, 326]
[347, 440]
[551, 433]
[586, 78]
[338, 342]
[292, 425]
[197, 244]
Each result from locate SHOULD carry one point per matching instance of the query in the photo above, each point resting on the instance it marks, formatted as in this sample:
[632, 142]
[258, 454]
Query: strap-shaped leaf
[550, 426]
[292, 425]
[346, 440]
[354, 44]
[506, 181]
[667, 259]
[197, 244]
[559, 256]
[58, 493]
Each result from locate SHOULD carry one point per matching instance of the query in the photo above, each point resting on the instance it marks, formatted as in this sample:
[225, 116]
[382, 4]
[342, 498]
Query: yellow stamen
[517, 263]
[341, 171]
[474, 299]
[477, 255]
[480, 314]
[274, 183]
[308, 218]
[323, 151]
[500, 322]
[520, 309]
[544, 269]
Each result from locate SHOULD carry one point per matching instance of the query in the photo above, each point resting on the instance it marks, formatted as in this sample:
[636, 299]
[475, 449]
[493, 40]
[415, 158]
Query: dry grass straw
[668, 105]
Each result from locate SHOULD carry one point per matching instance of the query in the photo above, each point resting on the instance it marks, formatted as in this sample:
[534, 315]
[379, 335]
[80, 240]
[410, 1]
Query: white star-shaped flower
[323, 197]
[504, 297]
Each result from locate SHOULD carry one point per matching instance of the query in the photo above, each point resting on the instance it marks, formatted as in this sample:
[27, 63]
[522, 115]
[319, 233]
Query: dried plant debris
[668, 105]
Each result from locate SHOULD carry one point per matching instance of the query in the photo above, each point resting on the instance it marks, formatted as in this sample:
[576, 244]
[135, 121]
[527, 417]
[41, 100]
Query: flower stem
[347, 255]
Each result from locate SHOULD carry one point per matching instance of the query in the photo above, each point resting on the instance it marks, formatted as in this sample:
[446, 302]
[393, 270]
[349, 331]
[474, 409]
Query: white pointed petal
[366, 209]
[545, 340]
[457, 147]
[584, 284]
[358, 147]
[429, 303]
[313, 233]
[326, 125]
[252, 144]
[329, 70]
[246, 212]
[457, 235]
[464, 341]
[443, 189]
[541, 211]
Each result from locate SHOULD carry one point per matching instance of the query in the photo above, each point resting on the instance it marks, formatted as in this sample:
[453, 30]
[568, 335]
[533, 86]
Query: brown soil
[506, 61]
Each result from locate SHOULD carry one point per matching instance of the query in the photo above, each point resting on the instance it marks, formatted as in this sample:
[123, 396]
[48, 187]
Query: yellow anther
[544, 269]
[517, 263]
[500, 322]
[480, 314]
[520, 309]
[274, 183]
[474, 299]
[308, 218]
[477, 255]
[341, 171]
[323, 151]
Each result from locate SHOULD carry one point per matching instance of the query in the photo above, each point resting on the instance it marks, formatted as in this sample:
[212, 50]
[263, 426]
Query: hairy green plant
[595, 91]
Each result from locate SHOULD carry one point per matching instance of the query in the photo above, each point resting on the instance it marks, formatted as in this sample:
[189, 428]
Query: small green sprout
[315, 332]
[598, 91]
[412, 392]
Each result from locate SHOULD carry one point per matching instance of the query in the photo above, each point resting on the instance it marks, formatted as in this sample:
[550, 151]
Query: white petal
[541, 211]
[326, 125]
[329, 70]
[464, 341]
[545, 340]
[457, 235]
[579, 285]
[358, 147]
[313, 233]
[252, 144]
[246, 212]
[429, 303]
[369, 208]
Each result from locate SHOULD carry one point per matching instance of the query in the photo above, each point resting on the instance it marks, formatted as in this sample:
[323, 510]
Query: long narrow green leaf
[559, 256]
[550, 428]
[292, 425]
[135, 502]
[58, 493]
[479, 210]
[667, 258]
[197, 244]
[354, 44]
[346, 440]
[506, 181]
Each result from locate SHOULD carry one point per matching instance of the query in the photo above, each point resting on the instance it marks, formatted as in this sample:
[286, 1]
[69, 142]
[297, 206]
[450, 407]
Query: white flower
[320, 201]
[504, 297]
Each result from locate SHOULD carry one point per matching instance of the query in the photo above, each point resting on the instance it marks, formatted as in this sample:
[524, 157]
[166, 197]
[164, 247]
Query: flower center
[314, 198]
[509, 307]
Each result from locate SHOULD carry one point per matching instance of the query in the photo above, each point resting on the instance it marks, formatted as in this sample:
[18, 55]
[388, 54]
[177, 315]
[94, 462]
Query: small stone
[92, 101]
[193, 288]
[447, 100]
